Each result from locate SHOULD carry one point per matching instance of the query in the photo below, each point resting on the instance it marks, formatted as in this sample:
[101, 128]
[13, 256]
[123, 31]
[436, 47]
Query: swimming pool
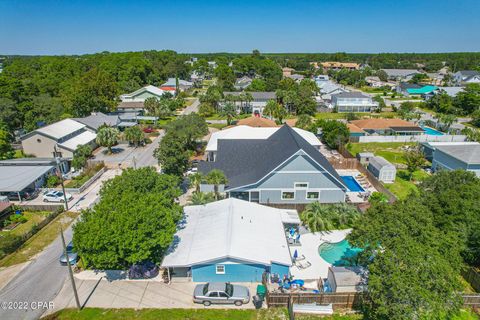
[352, 184]
[337, 253]
[432, 132]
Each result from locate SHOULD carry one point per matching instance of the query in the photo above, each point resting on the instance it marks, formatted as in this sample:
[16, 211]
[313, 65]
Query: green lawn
[40, 240]
[392, 151]
[33, 217]
[170, 314]
[218, 126]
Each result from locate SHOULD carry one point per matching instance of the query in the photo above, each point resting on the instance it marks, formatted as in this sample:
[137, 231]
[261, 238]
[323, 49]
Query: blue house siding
[299, 169]
[279, 269]
[234, 272]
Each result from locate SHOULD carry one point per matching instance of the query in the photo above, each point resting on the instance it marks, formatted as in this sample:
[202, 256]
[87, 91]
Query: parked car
[144, 270]
[72, 255]
[24, 195]
[192, 171]
[56, 196]
[148, 130]
[222, 293]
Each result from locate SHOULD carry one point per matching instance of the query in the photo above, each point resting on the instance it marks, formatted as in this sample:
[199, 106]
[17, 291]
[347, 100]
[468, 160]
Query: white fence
[418, 138]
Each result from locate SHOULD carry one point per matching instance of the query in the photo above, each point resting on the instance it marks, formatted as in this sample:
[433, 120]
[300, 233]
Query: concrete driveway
[135, 294]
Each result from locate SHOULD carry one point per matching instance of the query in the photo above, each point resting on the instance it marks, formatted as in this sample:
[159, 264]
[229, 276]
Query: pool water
[352, 184]
[337, 253]
[432, 132]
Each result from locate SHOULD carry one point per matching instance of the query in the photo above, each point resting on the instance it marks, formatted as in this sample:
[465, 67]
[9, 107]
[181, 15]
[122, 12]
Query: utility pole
[77, 301]
[57, 160]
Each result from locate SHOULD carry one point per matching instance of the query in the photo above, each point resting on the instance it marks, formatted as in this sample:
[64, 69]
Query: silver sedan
[222, 293]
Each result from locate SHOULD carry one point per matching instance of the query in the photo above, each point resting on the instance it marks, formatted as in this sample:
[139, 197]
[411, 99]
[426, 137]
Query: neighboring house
[231, 241]
[212, 64]
[98, 119]
[296, 77]
[240, 132]
[172, 83]
[383, 170]
[5, 208]
[18, 176]
[451, 91]
[428, 148]
[457, 156]
[134, 101]
[466, 77]
[375, 82]
[257, 122]
[66, 135]
[353, 102]
[347, 279]
[327, 88]
[287, 72]
[256, 105]
[400, 74]
[282, 169]
[412, 89]
[242, 83]
[339, 65]
[435, 78]
[383, 127]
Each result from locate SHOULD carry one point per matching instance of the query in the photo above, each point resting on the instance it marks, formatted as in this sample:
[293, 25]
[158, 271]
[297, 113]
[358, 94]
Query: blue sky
[74, 27]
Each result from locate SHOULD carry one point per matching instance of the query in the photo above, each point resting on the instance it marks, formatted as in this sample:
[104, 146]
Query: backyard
[392, 152]
[32, 218]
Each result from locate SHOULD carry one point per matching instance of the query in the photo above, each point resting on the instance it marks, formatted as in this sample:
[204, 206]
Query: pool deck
[309, 249]
[355, 196]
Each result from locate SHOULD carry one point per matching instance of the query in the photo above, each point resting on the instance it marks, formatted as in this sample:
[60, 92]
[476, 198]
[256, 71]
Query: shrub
[53, 181]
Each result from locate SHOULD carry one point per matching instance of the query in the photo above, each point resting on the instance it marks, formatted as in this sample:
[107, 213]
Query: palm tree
[195, 180]
[447, 120]
[199, 198]
[107, 137]
[134, 135]
[216, 177]
[151, 105]
[228, 111]
[317, 218]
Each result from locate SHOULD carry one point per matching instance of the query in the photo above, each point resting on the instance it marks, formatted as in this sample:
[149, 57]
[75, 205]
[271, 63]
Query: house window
[313, 195]
[301, 185]
[220, 269]
[39, 140]
[288, 195]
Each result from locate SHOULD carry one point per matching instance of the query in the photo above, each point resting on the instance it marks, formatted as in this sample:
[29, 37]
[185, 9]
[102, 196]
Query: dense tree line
[37, 90]
[416, 248]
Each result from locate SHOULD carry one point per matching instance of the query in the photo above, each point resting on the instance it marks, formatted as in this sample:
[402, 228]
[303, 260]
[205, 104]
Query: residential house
[296, 77]
[26, 175]
[183, 85]
[257, 122]
[375, 82]
[95, 120]
[413, 89]
[65, 135]
[466, 76]
[231, 240]
[327, 88]
[353, 102]
[134, 101]
[212, 64]
[347, 279]
[400, 74]
[252, 133]
[287, 72]
[457, 156]
[242, 83]
[383, 127]
[281, 169]
[255, 106]
[383, 170]
[428, 148]
[329, 65]
[451, 91]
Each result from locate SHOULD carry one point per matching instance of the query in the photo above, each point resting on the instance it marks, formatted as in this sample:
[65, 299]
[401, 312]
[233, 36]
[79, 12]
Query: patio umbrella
[295, 254]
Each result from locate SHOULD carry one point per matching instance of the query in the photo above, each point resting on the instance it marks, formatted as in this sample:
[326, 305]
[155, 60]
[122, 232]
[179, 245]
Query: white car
[192, 171]
[56, 196]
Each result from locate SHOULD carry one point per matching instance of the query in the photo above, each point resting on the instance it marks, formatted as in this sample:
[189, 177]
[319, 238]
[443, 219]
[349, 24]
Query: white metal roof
[380, 162]
[17, 178]
[152, 89]
[230, 228]
[261, 133]
[81, 139]
[61, 128]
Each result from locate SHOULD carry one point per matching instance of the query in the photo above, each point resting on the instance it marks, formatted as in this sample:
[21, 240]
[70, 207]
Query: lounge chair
[302, 264]
[300, 258]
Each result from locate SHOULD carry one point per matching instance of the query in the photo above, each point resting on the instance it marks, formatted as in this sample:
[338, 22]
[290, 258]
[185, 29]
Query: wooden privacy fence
[473, 277]
[348, 300]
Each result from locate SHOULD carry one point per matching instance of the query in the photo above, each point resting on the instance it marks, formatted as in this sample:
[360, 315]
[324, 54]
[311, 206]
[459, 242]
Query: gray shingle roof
[98, 119]
[257, 95]
[353, 94]
[246, 161]
[469, 154]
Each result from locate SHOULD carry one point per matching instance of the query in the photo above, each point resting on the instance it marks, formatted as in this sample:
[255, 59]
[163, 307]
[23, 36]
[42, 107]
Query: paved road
[191, 108]
[146, 158]
[44, 277]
